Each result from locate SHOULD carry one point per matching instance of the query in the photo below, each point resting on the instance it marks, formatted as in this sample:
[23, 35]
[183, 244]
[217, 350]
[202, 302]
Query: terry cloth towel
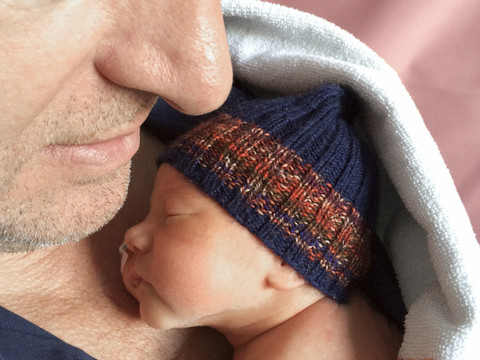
[424, 225]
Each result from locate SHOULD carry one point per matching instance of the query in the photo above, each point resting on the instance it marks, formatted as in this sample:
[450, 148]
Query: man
[77, 81]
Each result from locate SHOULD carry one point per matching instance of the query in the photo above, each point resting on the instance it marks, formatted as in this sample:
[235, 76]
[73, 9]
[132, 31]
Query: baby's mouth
[130, 276]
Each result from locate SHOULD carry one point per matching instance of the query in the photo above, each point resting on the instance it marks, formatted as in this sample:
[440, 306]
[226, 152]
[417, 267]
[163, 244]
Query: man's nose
[176, 49]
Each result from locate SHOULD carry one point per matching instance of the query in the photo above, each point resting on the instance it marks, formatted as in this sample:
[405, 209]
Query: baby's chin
[157, 319]
[160, 316]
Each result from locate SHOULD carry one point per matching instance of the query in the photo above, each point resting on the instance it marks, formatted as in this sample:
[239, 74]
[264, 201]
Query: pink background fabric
[434, 45]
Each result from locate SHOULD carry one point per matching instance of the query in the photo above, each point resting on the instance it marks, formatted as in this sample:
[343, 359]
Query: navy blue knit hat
[293, 171]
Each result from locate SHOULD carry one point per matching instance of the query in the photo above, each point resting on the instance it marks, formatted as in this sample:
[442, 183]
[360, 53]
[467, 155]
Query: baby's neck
[326, 330]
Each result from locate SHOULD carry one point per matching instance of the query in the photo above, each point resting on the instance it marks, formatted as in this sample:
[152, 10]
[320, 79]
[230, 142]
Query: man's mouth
[108, 154]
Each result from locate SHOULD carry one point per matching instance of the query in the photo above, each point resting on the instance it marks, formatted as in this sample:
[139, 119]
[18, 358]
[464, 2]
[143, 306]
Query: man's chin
[56, 216]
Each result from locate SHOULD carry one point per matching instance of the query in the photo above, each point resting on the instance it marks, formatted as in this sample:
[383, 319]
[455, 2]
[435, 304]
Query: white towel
[425, 226]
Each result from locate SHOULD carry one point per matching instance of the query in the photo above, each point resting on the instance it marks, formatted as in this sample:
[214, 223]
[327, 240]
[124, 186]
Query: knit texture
[294, 173]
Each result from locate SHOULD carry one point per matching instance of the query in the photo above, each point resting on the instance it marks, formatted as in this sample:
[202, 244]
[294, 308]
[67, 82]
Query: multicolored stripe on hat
[283, 199]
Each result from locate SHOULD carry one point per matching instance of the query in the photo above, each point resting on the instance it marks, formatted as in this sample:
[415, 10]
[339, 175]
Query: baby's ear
[283, 277]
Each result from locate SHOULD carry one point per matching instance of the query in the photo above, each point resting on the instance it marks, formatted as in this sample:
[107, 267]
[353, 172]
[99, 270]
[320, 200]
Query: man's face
[77, 79]
[190, 263]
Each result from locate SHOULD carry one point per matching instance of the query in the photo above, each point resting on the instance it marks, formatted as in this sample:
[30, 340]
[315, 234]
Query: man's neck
[75, 291]
[58, 273]
[37, 272]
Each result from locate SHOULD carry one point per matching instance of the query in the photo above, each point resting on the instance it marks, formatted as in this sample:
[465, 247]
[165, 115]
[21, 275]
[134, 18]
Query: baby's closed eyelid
[168, 216]
[177, 207]
[172, 210]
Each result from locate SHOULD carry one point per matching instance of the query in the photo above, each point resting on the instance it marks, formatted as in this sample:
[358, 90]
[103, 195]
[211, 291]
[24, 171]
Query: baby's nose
[137, 239]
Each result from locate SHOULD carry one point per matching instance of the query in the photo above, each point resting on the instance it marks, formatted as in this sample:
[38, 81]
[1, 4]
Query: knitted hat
[293, 172]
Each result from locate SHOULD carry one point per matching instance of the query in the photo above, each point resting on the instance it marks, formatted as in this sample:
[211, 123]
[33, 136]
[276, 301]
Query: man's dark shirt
[22, 340]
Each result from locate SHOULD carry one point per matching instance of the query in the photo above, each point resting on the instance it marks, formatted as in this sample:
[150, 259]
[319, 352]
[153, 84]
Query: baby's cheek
[177, 283]
[205, 289]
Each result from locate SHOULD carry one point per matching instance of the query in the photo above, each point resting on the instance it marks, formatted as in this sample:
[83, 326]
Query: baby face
[189, 262]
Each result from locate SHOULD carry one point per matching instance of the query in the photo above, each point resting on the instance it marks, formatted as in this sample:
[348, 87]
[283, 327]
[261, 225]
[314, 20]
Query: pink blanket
[435, 48]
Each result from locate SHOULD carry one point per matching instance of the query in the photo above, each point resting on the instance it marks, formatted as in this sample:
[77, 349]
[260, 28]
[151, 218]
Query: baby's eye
[172, 208]
[173, 216]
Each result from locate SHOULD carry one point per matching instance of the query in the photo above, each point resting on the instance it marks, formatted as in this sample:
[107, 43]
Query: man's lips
[107, 155]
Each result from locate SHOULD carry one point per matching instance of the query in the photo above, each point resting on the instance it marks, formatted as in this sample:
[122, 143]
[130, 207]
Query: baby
[261, 226]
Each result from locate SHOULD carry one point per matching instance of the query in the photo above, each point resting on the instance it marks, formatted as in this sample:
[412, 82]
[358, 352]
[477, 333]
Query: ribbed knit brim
[293, 172]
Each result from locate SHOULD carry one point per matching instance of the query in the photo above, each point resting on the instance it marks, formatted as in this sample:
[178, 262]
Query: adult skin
[77, 80]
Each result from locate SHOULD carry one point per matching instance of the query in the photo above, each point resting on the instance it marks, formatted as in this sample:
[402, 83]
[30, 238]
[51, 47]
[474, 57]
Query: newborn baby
[261, 226]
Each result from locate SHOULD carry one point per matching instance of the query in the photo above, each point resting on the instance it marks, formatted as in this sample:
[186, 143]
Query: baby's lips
[123, 252]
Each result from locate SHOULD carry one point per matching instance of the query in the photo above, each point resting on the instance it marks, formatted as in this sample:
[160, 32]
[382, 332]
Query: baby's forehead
[169, 179]
[176, 193]
[173, 186]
